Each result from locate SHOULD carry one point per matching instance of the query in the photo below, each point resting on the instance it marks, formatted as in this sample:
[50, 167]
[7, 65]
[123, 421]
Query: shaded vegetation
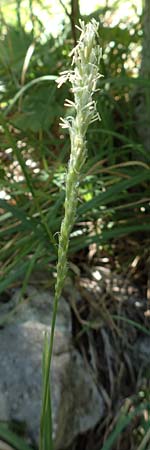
[113, 216]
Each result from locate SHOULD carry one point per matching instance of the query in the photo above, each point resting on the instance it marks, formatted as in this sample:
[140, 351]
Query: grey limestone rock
[76, 402]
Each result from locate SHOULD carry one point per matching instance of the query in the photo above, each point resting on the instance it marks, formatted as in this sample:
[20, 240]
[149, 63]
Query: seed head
[84, 77]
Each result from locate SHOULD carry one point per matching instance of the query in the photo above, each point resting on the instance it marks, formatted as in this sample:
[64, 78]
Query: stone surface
[5, 446]
[76, 403]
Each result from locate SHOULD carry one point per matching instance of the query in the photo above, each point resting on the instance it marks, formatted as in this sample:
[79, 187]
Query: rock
[77, 405]
[5, 446]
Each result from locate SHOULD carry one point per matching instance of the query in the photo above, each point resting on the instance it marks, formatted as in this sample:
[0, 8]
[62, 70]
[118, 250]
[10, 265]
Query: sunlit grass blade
[80, 242]
[114, 192]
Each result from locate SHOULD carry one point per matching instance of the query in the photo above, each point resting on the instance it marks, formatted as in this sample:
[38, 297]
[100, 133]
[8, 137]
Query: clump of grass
[83, 78]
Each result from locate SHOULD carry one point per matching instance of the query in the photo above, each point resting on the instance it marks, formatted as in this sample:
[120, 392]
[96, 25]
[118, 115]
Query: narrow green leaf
[28, 86]
[46, 439]
[123, 421]
[132, 323]
[11, 438]
[111, 194]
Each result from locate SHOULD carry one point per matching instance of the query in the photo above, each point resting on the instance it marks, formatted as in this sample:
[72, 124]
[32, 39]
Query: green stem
[67, 223]
[47, 375]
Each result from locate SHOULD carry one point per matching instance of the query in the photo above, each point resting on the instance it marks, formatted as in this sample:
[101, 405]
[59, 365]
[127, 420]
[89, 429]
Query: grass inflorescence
[83, 78]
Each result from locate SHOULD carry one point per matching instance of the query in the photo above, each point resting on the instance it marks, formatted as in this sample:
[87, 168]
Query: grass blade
[46, 440]
[11, 438]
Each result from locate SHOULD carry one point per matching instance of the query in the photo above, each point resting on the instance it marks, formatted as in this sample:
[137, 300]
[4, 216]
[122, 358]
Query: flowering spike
[83, 78]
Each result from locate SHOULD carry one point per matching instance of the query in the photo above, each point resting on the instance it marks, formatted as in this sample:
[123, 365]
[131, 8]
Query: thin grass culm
[83, 78]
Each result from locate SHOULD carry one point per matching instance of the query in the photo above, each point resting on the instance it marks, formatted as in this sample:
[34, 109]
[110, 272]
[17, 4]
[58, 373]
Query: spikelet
[83, 78]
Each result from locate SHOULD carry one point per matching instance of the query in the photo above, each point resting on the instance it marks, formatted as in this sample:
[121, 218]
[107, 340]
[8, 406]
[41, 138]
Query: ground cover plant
[34, 154]
[112, 218]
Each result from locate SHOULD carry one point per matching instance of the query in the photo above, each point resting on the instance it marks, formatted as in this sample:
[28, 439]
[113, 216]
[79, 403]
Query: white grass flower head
[83, 78]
